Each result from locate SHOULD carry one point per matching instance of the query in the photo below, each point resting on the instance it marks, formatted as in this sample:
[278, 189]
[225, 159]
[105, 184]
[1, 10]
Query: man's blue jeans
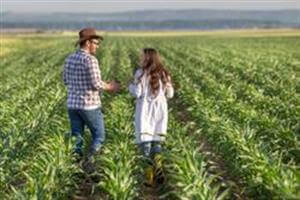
[94, 121]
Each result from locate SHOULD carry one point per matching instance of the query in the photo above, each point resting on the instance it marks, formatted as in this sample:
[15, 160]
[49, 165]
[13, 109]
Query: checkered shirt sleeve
[94, 74]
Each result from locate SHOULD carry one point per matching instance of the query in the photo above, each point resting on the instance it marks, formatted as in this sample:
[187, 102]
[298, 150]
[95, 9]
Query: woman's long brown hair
[154, 68]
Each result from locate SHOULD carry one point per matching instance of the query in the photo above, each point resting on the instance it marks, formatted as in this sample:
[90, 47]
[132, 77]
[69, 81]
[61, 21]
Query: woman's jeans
[94, 121]
[149, 149]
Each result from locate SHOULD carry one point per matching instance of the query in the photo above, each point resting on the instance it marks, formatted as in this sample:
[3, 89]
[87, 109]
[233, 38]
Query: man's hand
[113, 86]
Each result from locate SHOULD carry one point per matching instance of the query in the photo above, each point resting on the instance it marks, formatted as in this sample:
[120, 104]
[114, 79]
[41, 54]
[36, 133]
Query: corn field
[233, 131]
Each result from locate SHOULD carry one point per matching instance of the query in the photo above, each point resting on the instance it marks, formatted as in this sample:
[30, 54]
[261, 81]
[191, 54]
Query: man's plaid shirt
[83, 79]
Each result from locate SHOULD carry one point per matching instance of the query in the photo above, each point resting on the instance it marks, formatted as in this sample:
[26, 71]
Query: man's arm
[95, 77]
[94, 74]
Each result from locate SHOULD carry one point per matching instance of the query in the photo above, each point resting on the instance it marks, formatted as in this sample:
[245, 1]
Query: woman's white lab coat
[151, 113]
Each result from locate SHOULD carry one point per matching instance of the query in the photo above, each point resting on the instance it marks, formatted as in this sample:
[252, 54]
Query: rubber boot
[158, 169]
[149, 176]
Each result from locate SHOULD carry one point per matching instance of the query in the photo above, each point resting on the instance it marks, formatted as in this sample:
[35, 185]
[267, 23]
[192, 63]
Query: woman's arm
[169, 89]
[135, 87]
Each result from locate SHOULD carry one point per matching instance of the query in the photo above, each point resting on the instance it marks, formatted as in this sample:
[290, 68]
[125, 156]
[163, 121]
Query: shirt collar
[83, 50]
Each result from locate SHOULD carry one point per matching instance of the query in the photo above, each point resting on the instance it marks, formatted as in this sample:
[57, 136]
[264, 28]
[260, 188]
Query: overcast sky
[46, 6]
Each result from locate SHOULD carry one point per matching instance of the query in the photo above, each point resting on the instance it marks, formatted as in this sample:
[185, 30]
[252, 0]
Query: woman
[151, 86]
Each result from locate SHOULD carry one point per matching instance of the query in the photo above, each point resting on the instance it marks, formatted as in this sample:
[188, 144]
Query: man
[82, 78]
